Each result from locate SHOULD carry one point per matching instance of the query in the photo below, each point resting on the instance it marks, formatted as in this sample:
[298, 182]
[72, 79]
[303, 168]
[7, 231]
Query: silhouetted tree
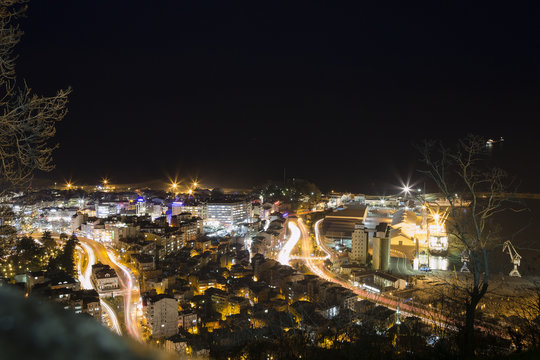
[475, 191]
[65, 260]
[48, 242]
[27, 121]
[28, 254]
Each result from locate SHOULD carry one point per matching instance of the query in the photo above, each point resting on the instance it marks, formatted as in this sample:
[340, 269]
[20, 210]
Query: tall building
[359, 244]
[229, 213]
[381, 247]
[161, 313]
[141, 206]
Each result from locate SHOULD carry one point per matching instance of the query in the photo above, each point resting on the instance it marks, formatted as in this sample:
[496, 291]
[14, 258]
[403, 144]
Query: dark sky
[233, 92]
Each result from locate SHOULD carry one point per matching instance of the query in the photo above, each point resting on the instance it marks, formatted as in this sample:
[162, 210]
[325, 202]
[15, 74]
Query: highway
[98, 252]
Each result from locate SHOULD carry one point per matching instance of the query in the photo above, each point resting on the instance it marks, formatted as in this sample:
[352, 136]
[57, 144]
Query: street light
[195, 184]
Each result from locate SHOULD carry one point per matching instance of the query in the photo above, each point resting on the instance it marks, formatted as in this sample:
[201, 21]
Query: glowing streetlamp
[68, 186]
[195, 184]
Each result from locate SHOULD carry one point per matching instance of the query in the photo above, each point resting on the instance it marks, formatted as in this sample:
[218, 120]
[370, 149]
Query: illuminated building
[172, 242]
[141, 206]
[188, 319]
[406, 222]
[359, 244]
[438, 240]
[105, 210]
[56, 219]
[339, 225]
[229, 213]
[86, 301]
[143, 262]
[190, 226]
[104, 278]
[77, 220]
[161, 312]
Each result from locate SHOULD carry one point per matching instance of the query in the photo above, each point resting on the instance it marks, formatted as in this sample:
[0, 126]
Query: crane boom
[515, 258]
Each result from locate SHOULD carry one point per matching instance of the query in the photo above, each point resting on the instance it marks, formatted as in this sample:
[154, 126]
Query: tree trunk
[468, 341]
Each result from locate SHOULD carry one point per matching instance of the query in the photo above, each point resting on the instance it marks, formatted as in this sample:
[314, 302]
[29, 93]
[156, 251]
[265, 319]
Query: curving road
[284, 255]
[329, 253]
[86, 283]
[126, 280]
[112, 316]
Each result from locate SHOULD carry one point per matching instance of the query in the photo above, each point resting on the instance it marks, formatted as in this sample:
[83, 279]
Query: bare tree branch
[463, 174]
[27, 121]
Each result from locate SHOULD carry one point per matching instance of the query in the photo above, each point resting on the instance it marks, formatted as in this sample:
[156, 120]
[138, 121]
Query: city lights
[263, 189]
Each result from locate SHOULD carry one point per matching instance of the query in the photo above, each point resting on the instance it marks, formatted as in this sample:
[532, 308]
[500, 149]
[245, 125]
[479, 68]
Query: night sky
[233, 92]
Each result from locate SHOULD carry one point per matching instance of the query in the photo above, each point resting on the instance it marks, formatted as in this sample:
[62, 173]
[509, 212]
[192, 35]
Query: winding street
[126, 279]
[86, 283]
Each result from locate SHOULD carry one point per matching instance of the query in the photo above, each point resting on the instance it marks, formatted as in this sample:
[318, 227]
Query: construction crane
[515, 258]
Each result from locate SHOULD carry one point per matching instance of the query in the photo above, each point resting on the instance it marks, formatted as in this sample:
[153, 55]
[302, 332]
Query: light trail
[427, 314]
[84, 279]
[84, 276]
[321, 246]
[319, 270]
[314, 258]
[284, 255]
[130, 309]
[96, 251]
[112, 316]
